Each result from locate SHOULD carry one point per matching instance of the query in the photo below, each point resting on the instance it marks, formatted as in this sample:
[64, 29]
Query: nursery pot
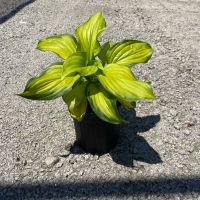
[95, 135]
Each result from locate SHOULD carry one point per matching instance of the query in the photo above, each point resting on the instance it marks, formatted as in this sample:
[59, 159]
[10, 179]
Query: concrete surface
[158, 153]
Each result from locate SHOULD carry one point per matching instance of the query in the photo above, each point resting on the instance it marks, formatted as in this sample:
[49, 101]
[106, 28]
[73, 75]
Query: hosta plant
[92, 73]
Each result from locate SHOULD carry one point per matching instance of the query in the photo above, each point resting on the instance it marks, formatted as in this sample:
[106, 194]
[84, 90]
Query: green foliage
[100, 75]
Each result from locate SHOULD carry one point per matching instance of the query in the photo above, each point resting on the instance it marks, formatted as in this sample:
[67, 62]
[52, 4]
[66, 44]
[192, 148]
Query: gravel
[158, 153]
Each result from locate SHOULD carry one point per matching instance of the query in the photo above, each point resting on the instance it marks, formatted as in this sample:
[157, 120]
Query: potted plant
[91, 79]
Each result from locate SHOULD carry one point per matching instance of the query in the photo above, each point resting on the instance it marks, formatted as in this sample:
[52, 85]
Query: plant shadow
[131, 146]
[9, 8]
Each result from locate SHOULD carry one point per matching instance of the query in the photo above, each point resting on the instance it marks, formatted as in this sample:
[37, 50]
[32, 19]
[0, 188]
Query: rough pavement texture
[158, 154]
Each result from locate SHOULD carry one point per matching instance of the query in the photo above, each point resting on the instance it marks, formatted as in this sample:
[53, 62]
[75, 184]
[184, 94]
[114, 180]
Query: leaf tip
[153, 97]
[18, 94]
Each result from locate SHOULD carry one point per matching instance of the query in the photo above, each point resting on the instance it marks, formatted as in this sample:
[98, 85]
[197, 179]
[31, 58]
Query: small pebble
[51, 161]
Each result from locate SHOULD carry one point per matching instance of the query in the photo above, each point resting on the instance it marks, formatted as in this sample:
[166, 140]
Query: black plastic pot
[95, 135]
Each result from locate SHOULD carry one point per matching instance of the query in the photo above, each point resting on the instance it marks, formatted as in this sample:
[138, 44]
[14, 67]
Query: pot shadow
[131, 146]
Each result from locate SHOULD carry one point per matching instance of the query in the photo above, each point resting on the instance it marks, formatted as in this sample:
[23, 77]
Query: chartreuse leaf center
[49, 85]
[123, 84]
[76, 62]
[88, 34]
[103, 104]
[129, 53]
[76, 100]
[63, 45]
